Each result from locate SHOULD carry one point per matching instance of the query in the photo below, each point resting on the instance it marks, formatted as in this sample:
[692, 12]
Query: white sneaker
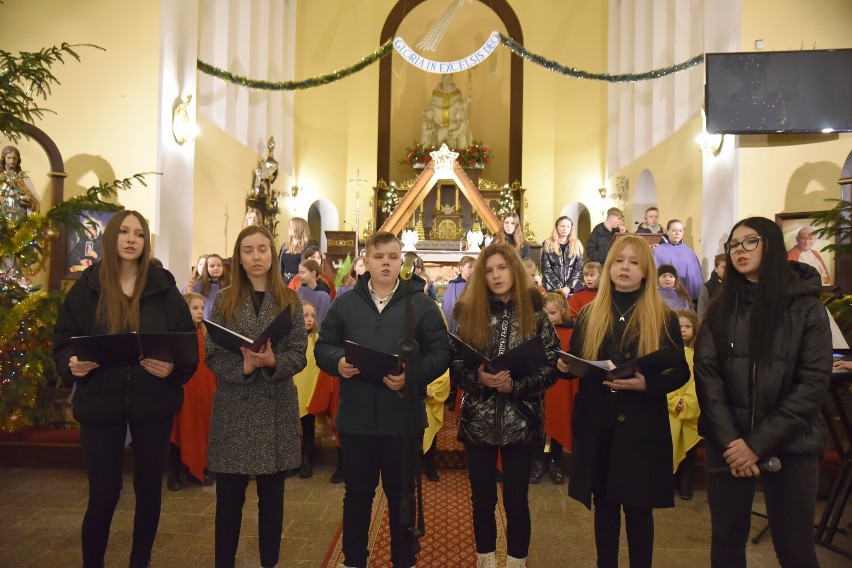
[512, 562]
[488, 560]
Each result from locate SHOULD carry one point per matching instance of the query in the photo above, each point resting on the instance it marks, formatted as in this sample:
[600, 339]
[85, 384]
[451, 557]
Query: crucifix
[357, 181]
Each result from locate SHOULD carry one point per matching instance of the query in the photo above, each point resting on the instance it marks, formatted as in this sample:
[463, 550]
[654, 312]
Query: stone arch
[513, 25]
[322, 216]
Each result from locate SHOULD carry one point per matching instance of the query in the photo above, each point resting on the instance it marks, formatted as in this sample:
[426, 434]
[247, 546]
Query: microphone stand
[411, 508]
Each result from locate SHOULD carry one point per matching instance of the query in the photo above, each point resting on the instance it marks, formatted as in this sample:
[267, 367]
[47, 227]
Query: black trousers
[309, 427]
[481, 464]
[230, 498]
[103, 453]
[639, 522]
[790, 496]
[366, 458]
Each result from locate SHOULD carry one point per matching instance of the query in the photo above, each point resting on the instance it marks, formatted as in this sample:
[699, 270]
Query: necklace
[624, 313]
[129, 277]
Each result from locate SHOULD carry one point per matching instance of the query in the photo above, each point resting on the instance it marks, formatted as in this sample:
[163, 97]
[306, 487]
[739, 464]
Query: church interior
[198, 95]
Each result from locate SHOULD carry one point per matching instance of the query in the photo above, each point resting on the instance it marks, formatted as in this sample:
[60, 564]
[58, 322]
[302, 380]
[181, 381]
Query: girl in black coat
[500, 412]
[622, 439]
[762, 369]
[124, 292]
[511, 234]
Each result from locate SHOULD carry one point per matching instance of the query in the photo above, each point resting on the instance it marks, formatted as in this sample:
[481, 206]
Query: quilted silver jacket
[491, 418]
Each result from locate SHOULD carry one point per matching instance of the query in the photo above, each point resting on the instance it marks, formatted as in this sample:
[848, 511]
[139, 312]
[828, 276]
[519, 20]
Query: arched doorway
[513, 27]
[646, 196]
[322, 217]
[578, 213]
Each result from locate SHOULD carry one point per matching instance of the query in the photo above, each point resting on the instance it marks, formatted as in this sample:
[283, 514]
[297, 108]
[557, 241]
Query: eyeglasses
[748, 244]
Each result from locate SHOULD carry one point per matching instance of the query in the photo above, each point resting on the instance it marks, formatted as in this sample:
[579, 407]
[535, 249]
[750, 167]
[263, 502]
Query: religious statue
[445, 119]
[17, 194]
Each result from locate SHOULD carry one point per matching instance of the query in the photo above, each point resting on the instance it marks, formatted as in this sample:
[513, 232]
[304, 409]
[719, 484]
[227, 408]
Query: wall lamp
[710, 144]
[184, 129]
[602, 191]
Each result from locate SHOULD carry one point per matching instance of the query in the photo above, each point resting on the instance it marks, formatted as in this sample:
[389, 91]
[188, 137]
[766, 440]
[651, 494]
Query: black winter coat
[371, 410]
[775, 409]
[560, 269]
[598, 244]
[111, 395]
[491, 418]
[622, 439]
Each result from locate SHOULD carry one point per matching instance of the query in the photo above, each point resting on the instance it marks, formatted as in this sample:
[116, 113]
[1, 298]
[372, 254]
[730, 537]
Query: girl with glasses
[762, 369]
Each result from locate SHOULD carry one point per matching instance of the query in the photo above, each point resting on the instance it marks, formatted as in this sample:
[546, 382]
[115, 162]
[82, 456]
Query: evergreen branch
[68, 212]
[24, 78]
[834, 225]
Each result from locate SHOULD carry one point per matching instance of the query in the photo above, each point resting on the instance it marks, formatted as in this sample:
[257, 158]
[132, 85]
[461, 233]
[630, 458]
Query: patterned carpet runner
[449, 526]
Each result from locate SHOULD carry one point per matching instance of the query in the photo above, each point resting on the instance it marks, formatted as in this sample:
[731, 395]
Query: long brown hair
[696, 324]
[116, 311]
[241, 286]
[206, 281]
[646, 324]
[301, 235]
[517, 237]
[474, 311]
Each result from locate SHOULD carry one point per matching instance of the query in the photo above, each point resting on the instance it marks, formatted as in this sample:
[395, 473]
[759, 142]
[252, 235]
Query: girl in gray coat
[255, 424]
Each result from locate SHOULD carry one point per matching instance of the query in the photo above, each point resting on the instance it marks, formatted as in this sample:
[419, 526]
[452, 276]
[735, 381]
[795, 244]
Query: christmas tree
[28, 378]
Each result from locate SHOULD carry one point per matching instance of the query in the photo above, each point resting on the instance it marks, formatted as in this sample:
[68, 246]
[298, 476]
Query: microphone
[407, 269]
[770, 465]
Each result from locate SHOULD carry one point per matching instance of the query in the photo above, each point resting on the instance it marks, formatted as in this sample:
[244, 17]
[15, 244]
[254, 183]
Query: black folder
[127, 349]
[373, 365]
[656, 362]
[521, 361]
[232, 341]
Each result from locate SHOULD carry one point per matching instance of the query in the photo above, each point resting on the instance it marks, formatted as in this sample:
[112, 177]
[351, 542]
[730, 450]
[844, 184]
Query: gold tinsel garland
[19, 315]
[387, 47]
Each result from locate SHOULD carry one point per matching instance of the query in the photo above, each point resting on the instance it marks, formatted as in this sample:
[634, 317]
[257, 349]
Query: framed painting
[803, 245]
[84, 250]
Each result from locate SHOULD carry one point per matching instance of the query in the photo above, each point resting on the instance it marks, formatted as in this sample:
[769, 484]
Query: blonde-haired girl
[622, 440]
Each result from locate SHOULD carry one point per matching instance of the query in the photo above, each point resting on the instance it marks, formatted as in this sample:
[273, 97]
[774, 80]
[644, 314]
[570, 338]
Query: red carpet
[446, 505]
[449, 529]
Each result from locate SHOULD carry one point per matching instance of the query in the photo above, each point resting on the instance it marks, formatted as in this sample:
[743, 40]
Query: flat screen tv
[779, 91]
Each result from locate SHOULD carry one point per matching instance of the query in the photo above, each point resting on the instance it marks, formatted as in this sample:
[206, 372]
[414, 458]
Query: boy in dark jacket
[374, 421]
[601, 236]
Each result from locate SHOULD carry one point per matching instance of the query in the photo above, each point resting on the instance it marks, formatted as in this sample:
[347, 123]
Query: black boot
[555, 471]
[307, 469]
[537, 471]
[337, 476]
[687, 466]
[173, 482]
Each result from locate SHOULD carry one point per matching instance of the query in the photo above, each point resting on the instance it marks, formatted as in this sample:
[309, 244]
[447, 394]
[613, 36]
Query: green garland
[229, 77]
[557, 67]
[387, 47]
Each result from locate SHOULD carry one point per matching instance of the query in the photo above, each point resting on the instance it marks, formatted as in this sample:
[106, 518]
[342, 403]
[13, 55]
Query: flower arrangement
[476, 155]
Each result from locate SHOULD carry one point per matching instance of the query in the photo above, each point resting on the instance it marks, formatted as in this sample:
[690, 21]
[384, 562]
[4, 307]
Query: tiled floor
[41, 512]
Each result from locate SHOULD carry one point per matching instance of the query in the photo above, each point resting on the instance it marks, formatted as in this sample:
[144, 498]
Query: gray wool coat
[255, 425]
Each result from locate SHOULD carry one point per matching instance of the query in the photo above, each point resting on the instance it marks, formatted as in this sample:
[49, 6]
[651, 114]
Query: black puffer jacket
[122, 394]
[491, 418]
[366, 409]
[597, 246]
[776, 409]
[560, 269]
